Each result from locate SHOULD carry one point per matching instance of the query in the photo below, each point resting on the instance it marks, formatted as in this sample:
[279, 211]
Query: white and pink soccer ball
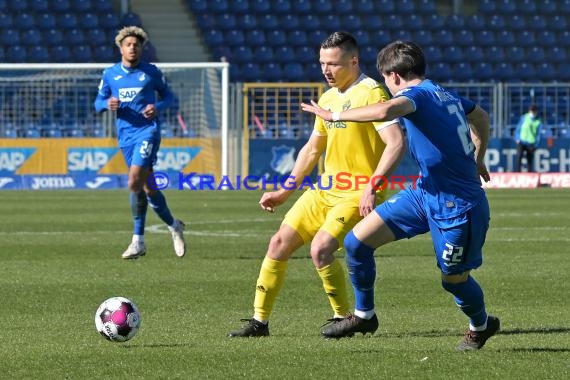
[118, 319]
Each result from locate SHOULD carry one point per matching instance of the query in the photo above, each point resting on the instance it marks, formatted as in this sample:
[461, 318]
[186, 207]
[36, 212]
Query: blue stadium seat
[53, 37]
[496, 22]
[89, 21]
[214, 37]
[197, 6]
[463, 72]
[434, 21]
[535, 54]
[373, 21]
[505, 38]
[368, 54]
[526, 71]
[263, 54]
[537, 22]
[464, 37]
[495, 54]
[60, 53]
[75, 36]
[10, 37]
[352, 21]
[234, 37]
[547, 38]
[281, 6]
[316, 37]
[505, 6]
[6, 20]
[131, 19]
[97, 37]
[474, 53]
[321, 7]
[423, 37]
[255, 37]
[236, 74]
[405, 6]
[413, 21]
[46, 21]
[206, 21]
[564, 7]
[273, 72]
[483, 72]
[475, 22]
[516, 22]
[455, 22]
[251, 72]
[426, 6]
[18, 5]
[102, 5]
[443, 37]
[39, 6]
[557, 54]
[238, 6]
[487, 6]
[331, 22]
[547, 71]
[504, 71]
[393, 21]
[82, 53]
[109, 20]
[342, 6]
[67, 20]
[439, 71]
[260, 6]
[32, 132]
[82, 6]
[60, 6]
[105, 53]
[558, 22]
[276, 37]
[527, 7]
[526, 38]
[385, 6]
[433, 53]
[268, 21]
[24, 20]
[453, 53]
[363, 6]
[31, 37]
[247, 21]
[284, 53]
[301, 7]
[16, 54]
[485, 38]
[225, 53]
[225, 21]
[294, 72]
[402, 34]
[289, 22]
[362, 37]
[218, 6]
[309, 21]
[515, 53]
[563, 38]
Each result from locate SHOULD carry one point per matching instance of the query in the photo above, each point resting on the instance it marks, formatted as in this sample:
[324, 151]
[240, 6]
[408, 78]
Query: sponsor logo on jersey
[12, 158]
[117, 77]
[142, 77]
[129, 93]
[88, 159]
[175, 158]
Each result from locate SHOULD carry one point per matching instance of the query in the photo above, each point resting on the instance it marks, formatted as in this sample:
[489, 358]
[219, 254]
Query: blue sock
[362, 271]
[469, 297]
[158, 204]
[139, 205]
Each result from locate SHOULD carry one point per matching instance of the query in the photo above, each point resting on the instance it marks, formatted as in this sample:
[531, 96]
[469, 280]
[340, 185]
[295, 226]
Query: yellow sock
[334, 282]
[269, 283]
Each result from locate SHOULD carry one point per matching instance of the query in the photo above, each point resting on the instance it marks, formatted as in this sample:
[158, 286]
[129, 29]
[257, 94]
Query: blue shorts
[458, 248]
[142, 153]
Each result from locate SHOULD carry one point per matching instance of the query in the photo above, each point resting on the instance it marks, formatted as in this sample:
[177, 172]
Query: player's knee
[352, 244]
[322, 254]
[135, 184]
[277, 249]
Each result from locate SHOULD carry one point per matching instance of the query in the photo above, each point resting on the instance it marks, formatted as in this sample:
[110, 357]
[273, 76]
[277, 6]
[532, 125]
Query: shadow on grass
[536, 349]
[156, 345]
[536, 330]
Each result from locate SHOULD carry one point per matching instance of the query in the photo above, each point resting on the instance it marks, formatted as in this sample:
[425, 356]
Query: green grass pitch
[60, 257]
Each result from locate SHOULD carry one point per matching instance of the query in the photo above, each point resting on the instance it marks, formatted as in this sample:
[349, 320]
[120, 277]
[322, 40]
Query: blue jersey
[135, 87]
[439, 140]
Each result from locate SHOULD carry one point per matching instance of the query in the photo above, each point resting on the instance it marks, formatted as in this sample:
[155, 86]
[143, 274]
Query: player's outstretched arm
[383, 111]
[479, 125]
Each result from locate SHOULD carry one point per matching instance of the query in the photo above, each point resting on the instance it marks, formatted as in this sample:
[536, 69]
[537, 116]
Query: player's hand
[367, 202]
[269, 201]
[113, 104]
[483, 172]
[150, 111]
[317, 110]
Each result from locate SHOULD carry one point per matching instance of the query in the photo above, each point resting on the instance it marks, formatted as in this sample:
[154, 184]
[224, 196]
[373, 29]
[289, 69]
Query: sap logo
[175, 158]
[97, 182]
[12, 158]
[282, 161]
[88, 159]
[128, 94]
[52, 183]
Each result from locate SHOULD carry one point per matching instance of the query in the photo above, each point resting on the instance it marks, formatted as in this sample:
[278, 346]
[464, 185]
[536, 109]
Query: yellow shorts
[320, 210]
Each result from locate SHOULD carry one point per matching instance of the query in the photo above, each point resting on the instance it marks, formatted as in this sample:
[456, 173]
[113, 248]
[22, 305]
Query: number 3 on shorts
[145, 149]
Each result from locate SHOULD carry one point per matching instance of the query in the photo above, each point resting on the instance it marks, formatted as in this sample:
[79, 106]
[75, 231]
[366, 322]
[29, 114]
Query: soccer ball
[117, 319]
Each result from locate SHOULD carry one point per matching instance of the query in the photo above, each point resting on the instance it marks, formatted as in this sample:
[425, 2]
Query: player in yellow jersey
[324, 217]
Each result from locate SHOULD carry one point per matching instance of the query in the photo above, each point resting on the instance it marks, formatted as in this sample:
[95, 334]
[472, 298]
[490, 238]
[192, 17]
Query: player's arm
[479, 125]
[393, 137]
[306, 161]
[383, 111]
[103, 95]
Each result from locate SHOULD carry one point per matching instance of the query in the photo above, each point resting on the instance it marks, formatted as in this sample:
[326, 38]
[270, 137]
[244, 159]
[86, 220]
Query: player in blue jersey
[130, 88]
[447, 136]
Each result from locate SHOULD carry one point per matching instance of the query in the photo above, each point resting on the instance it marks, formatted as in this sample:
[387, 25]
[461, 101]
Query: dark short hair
[403, 57]
[342, 40]
[533, 108]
